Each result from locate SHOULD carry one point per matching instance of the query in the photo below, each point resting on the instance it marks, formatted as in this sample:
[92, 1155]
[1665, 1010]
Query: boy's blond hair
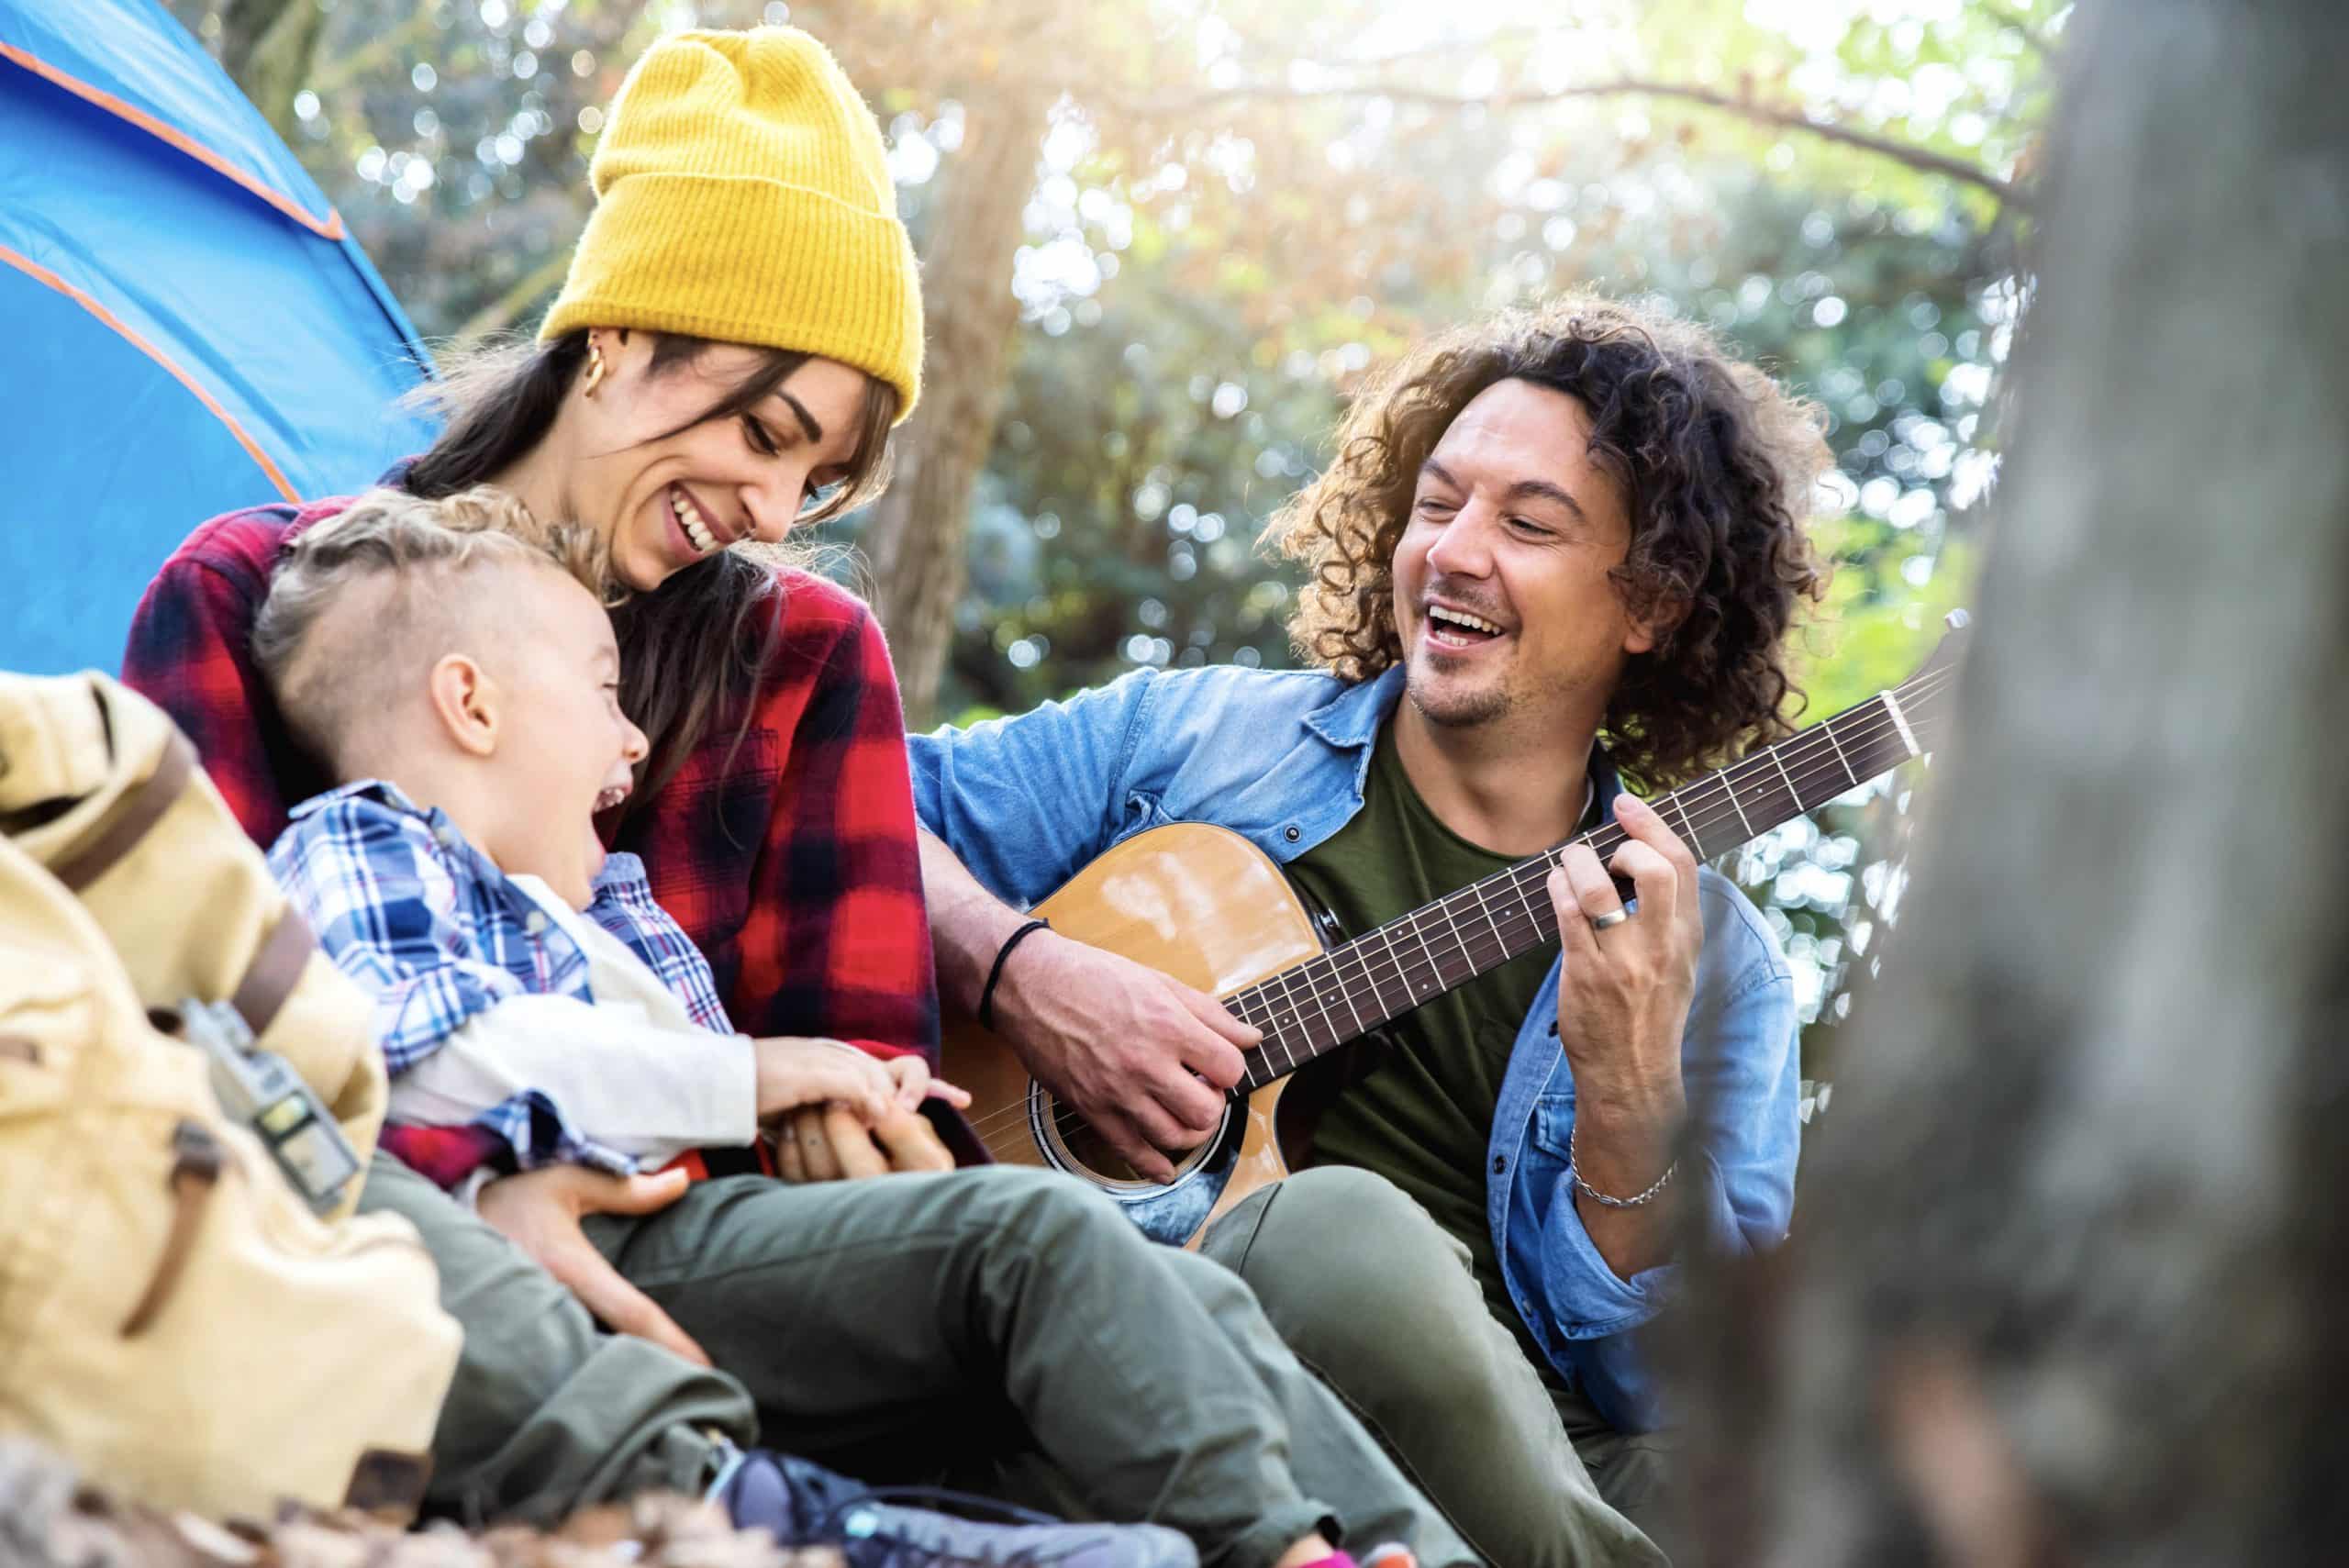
[409, 559]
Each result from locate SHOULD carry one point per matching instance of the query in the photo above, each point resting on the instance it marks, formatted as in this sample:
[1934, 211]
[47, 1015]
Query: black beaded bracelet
[986, 997]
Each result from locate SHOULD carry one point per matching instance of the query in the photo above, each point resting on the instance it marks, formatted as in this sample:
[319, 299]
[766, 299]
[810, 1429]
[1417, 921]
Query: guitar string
[1804, 749]
[1514, 879]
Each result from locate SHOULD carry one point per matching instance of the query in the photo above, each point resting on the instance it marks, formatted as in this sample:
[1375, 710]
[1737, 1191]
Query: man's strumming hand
[1142, 1057]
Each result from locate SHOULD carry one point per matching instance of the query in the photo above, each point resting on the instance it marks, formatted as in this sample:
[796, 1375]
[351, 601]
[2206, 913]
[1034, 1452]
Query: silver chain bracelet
[1574, 1174]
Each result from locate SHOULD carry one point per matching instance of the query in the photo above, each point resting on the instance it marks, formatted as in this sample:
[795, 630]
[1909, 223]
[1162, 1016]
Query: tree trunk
[916, 534]
[268, 48]
[2072, 1264]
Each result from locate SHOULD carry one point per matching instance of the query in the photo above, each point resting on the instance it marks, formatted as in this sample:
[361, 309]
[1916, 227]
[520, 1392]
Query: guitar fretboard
[1375, 978]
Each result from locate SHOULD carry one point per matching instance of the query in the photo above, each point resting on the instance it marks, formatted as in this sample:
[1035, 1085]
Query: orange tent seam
[172, 136]
[41, 274]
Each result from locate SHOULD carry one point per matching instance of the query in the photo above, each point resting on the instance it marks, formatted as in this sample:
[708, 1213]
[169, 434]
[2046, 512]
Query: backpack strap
[275, 970]
[141, 810]
[277, 964]
[196, 1159]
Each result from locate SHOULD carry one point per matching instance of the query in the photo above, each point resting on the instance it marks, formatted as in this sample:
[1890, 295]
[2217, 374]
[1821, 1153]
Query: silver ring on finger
[1613, 917]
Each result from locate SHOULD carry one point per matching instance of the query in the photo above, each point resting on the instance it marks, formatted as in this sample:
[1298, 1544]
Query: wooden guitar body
[1202, 905]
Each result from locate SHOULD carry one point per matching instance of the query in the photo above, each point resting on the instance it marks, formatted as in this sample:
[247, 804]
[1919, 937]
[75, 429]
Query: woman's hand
[828, 1144]
[539, 1211]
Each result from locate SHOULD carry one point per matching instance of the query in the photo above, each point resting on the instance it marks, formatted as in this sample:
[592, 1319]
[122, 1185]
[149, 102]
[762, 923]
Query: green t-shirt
[1424, 1116]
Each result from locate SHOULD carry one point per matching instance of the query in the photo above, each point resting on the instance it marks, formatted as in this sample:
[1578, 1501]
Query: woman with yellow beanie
[739, 330]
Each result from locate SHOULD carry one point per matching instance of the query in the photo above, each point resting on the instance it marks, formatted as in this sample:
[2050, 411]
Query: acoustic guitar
[1202, 904]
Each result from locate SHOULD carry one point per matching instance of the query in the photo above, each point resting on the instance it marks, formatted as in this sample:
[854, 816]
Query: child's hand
[795, 1071]
[915, 1084]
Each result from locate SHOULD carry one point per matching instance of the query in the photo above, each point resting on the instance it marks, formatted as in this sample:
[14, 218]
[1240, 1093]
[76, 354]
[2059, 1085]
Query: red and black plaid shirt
[790, 859]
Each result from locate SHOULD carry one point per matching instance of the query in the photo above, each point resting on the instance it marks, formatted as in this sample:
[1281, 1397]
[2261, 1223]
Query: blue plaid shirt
[429, 925]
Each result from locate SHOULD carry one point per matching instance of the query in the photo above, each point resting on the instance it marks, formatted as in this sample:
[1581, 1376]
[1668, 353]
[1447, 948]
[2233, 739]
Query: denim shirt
[1281, 758]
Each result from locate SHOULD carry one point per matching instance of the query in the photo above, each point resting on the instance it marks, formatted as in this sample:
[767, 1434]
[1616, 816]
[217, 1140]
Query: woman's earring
[595, 371]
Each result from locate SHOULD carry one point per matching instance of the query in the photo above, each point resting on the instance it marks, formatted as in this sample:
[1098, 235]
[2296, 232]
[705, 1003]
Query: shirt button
[1292, 833]
[535, 922]
[446, 836]
[1500, 1164]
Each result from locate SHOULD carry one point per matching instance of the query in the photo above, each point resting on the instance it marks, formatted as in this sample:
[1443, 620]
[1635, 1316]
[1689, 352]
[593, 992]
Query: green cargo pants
[898, 1328]
[1373, 1296]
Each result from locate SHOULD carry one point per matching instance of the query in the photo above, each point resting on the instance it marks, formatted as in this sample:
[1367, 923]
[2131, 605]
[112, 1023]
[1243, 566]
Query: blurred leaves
[1236, 209]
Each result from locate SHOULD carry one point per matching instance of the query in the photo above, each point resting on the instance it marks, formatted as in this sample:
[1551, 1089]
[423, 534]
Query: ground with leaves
[49, 1520]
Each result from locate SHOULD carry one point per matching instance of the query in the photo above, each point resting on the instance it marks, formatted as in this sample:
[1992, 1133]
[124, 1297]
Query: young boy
[527, 987]
[452, 663]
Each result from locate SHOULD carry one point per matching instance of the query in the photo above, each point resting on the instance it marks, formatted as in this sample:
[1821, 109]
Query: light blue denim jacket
[1280, 757]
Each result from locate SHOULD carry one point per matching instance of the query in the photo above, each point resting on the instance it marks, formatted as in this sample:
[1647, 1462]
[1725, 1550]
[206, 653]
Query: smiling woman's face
[667, 497]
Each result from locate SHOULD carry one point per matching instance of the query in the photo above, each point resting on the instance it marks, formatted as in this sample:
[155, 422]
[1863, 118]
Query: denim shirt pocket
[1143, 812]
[1548, 1138]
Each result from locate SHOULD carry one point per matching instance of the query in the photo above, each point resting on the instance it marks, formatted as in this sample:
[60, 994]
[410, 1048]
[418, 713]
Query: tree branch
[1908, 154]
[1442, 49]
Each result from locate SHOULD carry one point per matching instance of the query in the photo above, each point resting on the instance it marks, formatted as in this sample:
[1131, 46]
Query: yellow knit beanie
[741, 195]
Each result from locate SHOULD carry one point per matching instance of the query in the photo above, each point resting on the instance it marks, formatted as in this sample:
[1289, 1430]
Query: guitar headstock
[1924, 696]
[1946, 653]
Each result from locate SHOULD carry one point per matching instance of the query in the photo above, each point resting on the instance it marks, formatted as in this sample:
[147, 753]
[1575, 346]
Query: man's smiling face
[1502, 598]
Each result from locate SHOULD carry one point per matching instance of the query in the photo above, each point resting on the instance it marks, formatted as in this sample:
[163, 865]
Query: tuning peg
[1957, 620]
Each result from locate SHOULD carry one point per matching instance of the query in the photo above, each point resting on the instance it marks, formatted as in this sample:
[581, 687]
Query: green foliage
[1239, 208]
[1082, 566]
[1876, 627]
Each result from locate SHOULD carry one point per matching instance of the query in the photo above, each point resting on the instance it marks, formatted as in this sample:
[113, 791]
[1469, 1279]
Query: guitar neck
[1375, 978]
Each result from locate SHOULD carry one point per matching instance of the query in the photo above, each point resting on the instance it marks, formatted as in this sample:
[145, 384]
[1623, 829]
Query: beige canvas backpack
[174, 1318]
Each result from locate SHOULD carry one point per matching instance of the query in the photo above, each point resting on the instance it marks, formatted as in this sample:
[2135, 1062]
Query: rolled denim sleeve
[1025, 802]
[1741, 1069]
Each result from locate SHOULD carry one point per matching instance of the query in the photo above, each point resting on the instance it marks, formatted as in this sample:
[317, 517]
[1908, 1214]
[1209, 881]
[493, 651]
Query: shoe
[806, 1505]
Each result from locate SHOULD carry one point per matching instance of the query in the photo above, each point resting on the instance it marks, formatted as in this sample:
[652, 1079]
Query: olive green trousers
[1373, 1296]
[1004, 1329]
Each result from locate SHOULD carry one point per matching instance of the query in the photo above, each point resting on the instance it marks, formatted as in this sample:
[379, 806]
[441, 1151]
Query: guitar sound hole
[1090, 1149]
[1087, 1149]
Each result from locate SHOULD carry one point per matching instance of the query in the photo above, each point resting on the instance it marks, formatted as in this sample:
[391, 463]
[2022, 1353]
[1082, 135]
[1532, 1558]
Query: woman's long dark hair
[693, 653]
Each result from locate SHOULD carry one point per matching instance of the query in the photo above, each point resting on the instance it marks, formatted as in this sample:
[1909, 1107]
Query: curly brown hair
[1716, 461]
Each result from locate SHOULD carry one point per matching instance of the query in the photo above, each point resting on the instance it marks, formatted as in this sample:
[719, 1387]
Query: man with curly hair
[1554, 549]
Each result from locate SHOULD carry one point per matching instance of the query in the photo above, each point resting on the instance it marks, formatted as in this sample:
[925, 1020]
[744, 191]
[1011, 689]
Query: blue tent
[185, 327]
